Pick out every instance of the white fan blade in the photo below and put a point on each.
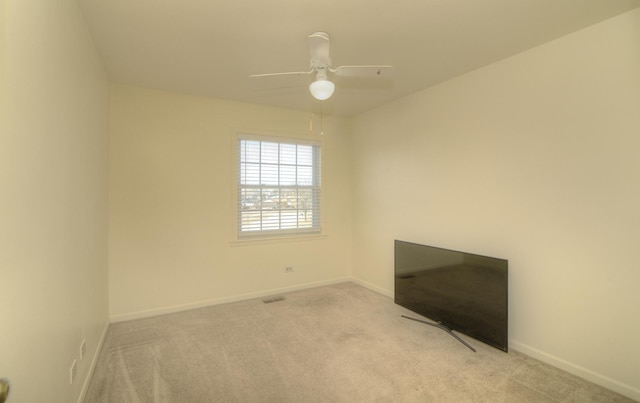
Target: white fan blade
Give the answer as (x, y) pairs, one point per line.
(364, 71)
(291, 73)
(319, 49)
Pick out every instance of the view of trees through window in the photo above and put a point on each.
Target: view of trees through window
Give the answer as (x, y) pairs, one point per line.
(279, 187)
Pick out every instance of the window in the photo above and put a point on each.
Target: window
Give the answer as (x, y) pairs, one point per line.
(278, 186)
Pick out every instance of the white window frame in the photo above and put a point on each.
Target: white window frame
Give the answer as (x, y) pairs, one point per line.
(288, 216)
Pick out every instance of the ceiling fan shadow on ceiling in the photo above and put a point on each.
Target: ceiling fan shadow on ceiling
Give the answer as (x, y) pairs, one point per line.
(322, 87)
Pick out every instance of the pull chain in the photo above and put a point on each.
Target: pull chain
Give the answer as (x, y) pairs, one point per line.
(321, 121)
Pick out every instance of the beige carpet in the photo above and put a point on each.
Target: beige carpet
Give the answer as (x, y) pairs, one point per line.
(340, 343)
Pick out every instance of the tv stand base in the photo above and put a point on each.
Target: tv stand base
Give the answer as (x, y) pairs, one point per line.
(443, 327)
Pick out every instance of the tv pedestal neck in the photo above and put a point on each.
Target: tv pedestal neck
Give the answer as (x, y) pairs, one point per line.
(443, 327)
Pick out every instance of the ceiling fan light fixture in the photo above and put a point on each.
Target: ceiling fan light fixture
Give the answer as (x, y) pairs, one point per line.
(322, 89)
(320, 65)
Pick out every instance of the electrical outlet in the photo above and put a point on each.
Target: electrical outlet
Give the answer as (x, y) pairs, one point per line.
(73, 371)
(83, 348)
(288, 269)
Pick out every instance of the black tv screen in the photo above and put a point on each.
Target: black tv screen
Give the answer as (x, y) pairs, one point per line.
(462, 291)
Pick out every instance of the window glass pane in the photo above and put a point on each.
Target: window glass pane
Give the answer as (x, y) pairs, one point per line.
(271, 220)
(250, 151)
(270, 199)
(305, 155)
(288, 198)
(269, 153)
(250, 220)
(250, 199)
(305, 219)
(269, 175)
(305, 199)
(305, 176)
(249, 174)
(287, 175)
(288, 154)
(289, 219)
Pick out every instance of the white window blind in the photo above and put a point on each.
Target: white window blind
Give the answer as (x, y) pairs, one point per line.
(278, 187)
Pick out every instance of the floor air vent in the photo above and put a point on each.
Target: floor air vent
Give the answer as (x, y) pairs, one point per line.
(273, 299)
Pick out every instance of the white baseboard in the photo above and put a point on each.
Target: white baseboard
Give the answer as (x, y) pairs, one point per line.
(94, 362)
(372, 287)
(217, 301)
(591, 376)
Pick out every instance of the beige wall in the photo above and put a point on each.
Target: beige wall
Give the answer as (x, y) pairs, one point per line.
(533, 159)
(53, 202)
(172, 205)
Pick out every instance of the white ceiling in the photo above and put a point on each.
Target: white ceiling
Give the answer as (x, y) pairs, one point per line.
(210, 47)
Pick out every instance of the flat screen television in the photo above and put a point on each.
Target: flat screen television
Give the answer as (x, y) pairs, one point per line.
(457, 290)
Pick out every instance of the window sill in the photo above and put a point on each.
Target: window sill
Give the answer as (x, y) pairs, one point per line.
(277, 239)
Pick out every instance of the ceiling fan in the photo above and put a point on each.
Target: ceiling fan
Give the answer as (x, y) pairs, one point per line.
(322, 88)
